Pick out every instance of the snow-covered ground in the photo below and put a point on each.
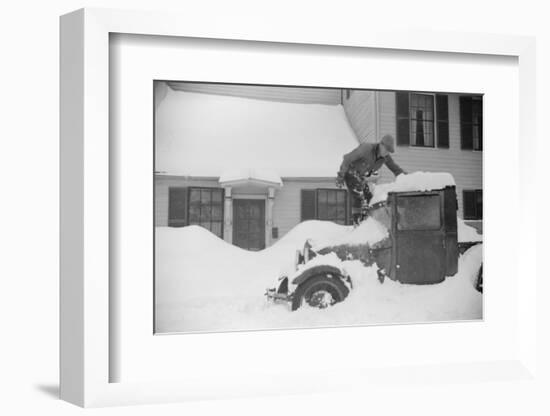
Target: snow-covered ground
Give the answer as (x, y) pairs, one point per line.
(206, 284)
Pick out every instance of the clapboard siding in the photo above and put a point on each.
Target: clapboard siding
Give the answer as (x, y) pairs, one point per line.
(361, 112)
(163, 183)
(285, 94)
(464, 165)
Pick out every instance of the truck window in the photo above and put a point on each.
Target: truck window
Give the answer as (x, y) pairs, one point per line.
(418, 212)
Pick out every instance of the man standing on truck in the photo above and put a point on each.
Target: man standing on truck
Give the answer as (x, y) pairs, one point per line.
(360, 167)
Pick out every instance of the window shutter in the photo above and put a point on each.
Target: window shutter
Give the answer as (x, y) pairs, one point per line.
(466, 133)
(469, 204)
(402, 117)
(309, 204)
(442, 109)
(177, 207)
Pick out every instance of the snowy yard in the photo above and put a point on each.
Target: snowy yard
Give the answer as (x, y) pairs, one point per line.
(206, 284)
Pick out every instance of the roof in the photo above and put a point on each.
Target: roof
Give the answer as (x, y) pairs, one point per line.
(206, 135)
(237, 176)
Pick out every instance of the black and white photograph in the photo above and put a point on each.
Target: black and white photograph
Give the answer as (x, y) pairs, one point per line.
(281, 207)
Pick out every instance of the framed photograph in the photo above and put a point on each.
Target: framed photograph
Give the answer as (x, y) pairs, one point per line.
(312, 197)
(238, 208)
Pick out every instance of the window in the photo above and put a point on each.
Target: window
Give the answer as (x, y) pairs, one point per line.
(471, 123)
(206, 209)
(422, 119)
(473, 204)
(421, 115)
(331, 205)
(325, 204)
(419, 212)
(196, 206)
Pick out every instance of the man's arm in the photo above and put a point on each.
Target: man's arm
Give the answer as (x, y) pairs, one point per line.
(394, 167)
(351, 157)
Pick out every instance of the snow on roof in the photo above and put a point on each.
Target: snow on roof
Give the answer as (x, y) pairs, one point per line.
(238, 175)
(417, 181)
(207, 135)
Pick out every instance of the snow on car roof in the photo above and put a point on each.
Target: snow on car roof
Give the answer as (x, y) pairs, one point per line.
(206, 135)
(417, 181)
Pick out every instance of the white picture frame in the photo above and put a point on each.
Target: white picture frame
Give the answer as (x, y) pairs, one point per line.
(86, 356)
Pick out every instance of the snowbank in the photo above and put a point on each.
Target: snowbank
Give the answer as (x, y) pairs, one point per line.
(206, 284)
(369, 231)
(467, 233)
(417, 181)
(206, 135)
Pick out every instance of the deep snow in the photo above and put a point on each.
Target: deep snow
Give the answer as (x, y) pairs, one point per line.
(417, 181)
(206, 284)
(196, 132)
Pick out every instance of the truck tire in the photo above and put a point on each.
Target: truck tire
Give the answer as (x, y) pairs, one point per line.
(479, 281)
(320, 291)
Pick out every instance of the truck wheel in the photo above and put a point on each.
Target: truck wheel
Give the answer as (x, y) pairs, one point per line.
(320, 291)
(479, 282)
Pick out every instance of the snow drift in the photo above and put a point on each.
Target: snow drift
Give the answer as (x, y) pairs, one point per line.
(205, 284)
(196, 132)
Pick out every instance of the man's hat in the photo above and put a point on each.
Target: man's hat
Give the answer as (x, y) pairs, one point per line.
(389, 142)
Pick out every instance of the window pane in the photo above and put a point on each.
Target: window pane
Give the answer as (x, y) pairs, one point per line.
(194, 213)
(322, 204)
(195, 195)
(206, 212)
(331, 205)
(421, 114)
(216, 212)
(217, 228)
(206, 196)
(418, 212)
(217, 195)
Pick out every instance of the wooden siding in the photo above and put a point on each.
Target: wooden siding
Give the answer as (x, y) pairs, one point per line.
(464, 165)
(361, 112)
(285, 94)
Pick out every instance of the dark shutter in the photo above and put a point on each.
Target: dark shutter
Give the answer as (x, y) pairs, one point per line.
(442, 108)
(402, 117)
(466, 136)
(309, 204)
(177, 207)
(469, 204)
(479, 204)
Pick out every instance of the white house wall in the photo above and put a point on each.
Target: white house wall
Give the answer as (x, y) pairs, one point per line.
(464, 165)
(361, 112)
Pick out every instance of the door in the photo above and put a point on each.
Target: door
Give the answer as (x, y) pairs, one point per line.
(419, 238)
(249, 224)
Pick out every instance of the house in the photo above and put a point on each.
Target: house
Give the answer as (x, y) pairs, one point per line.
(250, 162)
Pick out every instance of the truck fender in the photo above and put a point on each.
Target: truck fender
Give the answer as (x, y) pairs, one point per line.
(322, 269)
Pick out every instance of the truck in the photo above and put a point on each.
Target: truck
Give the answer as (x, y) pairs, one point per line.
(421, 247)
